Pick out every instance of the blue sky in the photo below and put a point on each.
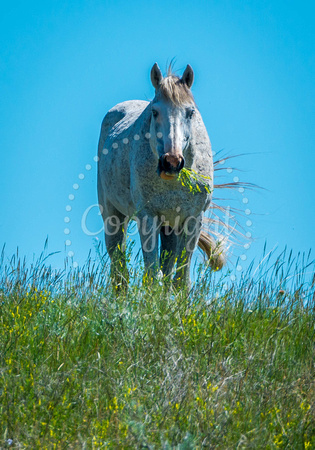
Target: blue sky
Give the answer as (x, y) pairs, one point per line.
(64, 64)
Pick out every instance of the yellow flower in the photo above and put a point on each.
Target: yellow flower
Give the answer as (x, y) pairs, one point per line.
(304, 406)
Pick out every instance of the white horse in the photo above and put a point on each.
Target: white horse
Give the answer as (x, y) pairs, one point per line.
(143, 147)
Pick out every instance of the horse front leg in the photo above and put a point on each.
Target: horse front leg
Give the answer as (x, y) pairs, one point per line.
(187, 242)
(115, 226)
(149, 228)
(169, 241)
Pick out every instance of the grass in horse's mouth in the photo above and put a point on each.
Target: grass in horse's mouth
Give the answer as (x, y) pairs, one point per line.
(194, 181)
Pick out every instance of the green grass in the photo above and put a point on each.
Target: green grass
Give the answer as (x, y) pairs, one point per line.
(225, 367)
(193, 180)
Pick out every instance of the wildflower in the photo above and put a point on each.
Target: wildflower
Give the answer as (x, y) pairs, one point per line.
(191, 179)
(304, 406)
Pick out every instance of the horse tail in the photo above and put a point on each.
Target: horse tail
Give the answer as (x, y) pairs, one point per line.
(213, 249)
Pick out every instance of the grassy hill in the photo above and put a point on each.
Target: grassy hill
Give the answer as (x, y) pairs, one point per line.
(228, 365)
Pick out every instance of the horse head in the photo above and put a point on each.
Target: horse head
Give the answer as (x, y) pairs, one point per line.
(172, 112)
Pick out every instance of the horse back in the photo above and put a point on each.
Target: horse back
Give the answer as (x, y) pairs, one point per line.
(117, 135)
(116, 115)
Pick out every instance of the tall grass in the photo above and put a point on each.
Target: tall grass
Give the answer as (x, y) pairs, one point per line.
(228, 365)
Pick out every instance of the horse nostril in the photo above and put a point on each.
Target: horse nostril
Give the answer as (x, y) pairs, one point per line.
(181, 164)
(164, 164)
(171, 163)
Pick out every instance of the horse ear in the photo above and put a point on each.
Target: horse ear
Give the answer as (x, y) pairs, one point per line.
(188, 76)
(156, 76)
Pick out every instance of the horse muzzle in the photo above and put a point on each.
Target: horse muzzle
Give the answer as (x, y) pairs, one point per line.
(170, 165)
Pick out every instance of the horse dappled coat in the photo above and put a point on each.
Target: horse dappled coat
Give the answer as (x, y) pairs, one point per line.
(143, 146)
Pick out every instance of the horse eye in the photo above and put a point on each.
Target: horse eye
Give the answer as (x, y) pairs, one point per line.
(154, 113)
(189, 113)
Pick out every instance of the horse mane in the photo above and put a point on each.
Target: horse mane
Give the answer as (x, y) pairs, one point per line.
(172, 88)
